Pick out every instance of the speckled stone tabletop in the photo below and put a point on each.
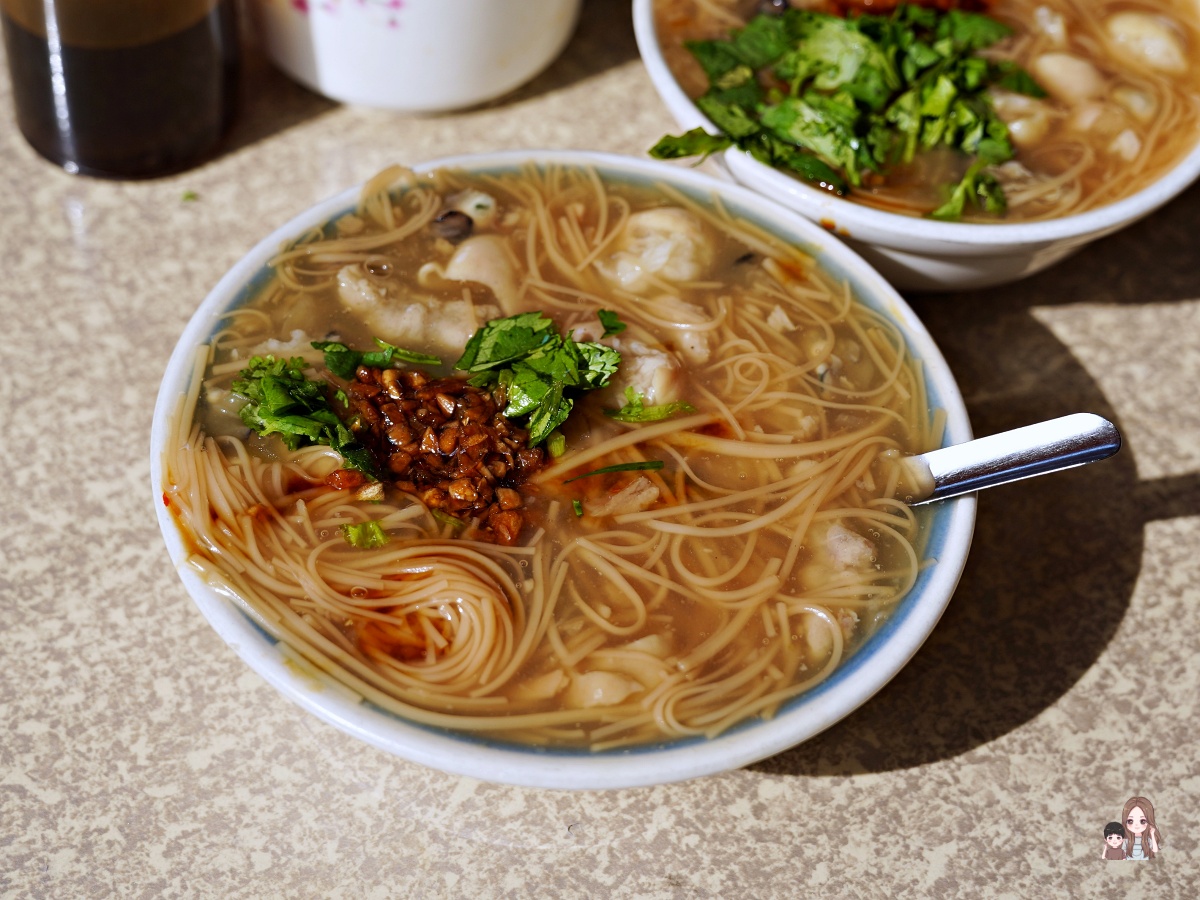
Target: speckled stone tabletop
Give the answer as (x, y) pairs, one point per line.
(140, 758)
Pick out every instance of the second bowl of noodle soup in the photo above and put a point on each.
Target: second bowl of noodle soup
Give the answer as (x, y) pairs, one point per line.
(708, 560)
(1116, 135)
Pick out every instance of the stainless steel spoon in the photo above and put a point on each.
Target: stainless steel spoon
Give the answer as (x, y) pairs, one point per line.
(1051, 446)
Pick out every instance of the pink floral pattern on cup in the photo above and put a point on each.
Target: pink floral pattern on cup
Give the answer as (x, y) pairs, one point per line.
(384, 11)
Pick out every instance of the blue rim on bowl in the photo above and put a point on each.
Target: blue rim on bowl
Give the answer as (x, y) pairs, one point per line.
(881, 656)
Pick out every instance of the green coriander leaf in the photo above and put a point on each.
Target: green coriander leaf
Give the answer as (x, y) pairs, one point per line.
(501, 341)
(189, 196)
(1008, 75)
(716, 58)
(550, 413)
(734, 78)
(446, 519)
(918, 56)
(556, 360)
(761, 41)
(923, 17)
(952, 209)
(600, 363)
(525, 391)
(731, 118)
(769, 149)
(972, 74)
(394, 353)
(994, 151)
(971, 31)
(905, 115)
(578, 507)
(836, 55)
(365, 535)
(824, 125)
(534, 368)
(611, 321)
(339, 359)
(635, 409)
(937, 96)
(990, 194)
(282, 400)
(650, 413)
(979, 188)
(342, 360)
(696, 142)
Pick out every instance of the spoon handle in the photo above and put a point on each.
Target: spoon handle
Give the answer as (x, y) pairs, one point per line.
(1012, 455)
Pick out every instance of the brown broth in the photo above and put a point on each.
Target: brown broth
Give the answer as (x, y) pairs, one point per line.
(833, 369)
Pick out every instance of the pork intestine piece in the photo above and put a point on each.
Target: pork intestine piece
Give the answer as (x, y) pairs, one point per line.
(667, 243)
(835, 551)
(653, 372)
(694, 345)
(593, 689)
(414, 321)
(484, 259)
(639, 494)
(1068, 78)
(1147, 40)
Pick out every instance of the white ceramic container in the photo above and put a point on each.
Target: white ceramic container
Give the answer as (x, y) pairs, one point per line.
(914, 253)
(414, 55)
(949, 528)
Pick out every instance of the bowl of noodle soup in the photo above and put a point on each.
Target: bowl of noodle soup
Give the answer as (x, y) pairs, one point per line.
(1115, 139)
(683, 592)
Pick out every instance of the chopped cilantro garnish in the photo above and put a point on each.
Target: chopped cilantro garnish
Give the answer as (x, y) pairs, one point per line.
(342, 361)
(446, 519)
(282, 400)
(696, 142)
(648, 465)
(578, 507)
(852, 96)
(611, 321)
(502, 341)
(1013, 78)
(978, 187)
(537, 368)
(365, 535)
(189, 196)
(636, 410)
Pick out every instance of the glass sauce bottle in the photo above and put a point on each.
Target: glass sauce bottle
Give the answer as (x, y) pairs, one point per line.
(122, 88)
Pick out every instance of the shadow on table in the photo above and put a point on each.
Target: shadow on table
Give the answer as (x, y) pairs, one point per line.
(1054, 560)
(269, 102)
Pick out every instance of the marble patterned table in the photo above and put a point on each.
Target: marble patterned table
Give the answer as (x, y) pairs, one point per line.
(139, 757)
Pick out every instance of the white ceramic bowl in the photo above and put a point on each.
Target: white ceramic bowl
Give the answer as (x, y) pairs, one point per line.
(915, 253)
(949, 529)
(414, 55)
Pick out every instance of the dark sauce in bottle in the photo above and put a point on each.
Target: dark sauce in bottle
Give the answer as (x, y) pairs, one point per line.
(126, 111)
